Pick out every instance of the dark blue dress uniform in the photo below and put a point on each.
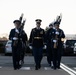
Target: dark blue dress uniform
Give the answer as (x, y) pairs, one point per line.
(49, 39)
(58, 50)
(18, 49)
(37, 40)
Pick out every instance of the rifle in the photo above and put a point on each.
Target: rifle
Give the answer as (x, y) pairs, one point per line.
(58, 19)
(22, 52)
(21, 28)
(22, 25)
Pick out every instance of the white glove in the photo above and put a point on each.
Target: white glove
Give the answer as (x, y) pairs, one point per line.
(57, 33)
(54, 41)
(44, 47)
(16, 30)
(15, 38)
(30, 47)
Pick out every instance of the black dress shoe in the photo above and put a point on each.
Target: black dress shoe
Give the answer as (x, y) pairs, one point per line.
(39, 66)
(19, 67)
(36, 68)
(54, 68)
(58, 67)
(15, 68)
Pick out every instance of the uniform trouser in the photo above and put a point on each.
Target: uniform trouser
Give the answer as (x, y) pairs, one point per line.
(16, 57)
(22, 54)
(37, 52)
(49, 54)
(56, 57)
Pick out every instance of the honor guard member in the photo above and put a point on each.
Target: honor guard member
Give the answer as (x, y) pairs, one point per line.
(58, 45)
(37, 40)
(19, 39)
(49, 39)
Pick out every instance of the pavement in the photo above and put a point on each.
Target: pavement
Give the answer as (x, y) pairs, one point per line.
(6, 67)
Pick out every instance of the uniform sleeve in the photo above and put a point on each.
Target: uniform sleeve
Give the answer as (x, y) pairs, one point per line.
(46, 35)
(62, 34)
(24, 37)
(10, 35)
(31, 36)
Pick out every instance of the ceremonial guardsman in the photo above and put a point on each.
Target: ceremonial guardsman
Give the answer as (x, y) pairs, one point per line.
(49, 39)
(37, 39)
(58, 45)
(19, 39)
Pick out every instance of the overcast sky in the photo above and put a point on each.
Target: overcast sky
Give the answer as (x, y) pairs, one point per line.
(47, 10)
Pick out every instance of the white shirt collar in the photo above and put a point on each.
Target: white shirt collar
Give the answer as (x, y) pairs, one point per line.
(37, 27)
